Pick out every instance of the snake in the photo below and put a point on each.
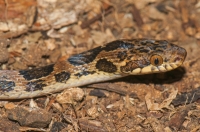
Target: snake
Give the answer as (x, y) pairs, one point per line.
(110, 61)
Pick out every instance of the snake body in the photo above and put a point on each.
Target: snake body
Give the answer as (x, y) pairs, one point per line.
(113, 60)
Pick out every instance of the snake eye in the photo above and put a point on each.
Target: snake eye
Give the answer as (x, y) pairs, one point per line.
(156, 60)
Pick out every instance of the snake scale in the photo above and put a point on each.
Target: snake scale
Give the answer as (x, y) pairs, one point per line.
(113, 60)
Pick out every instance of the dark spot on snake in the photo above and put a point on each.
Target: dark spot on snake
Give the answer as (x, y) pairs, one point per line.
(84, 73)
(159, 50)
(85, 57)
(122, 55)
(106, 66)
(144, 50)
(157, 47)
(166, 60)
(118, 44)
(62, 77)
(163, 42)
(35, 85)
(7, 86)
(129, 67)
(143, 43)
(37, 72)
(88, 56)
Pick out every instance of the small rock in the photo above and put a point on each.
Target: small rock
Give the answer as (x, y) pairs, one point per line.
(8, 126)
(70, 96)
(37, 118)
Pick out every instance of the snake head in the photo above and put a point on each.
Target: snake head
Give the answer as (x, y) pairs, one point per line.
(153, 56)
(165, 57)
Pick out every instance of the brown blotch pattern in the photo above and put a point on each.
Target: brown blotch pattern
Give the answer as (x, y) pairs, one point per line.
(37, 73)
(129, 67)
(88, 56)
(85, 57)
(7, 86)
(106, 66)
(35, 85)
(62, 76)
(84, 73)
(118, 44)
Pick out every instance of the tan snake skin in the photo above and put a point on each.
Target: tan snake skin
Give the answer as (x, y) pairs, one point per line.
(113, 60)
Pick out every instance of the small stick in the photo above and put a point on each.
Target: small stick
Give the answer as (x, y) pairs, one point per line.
(94, 19)
(136, 15)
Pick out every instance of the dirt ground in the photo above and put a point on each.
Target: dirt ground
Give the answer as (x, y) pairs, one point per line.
(37, 33)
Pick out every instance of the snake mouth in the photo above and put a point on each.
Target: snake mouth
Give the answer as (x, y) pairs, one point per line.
(155, 69)
(164, 67)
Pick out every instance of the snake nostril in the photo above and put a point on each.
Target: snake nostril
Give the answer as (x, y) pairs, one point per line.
(177, 59)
